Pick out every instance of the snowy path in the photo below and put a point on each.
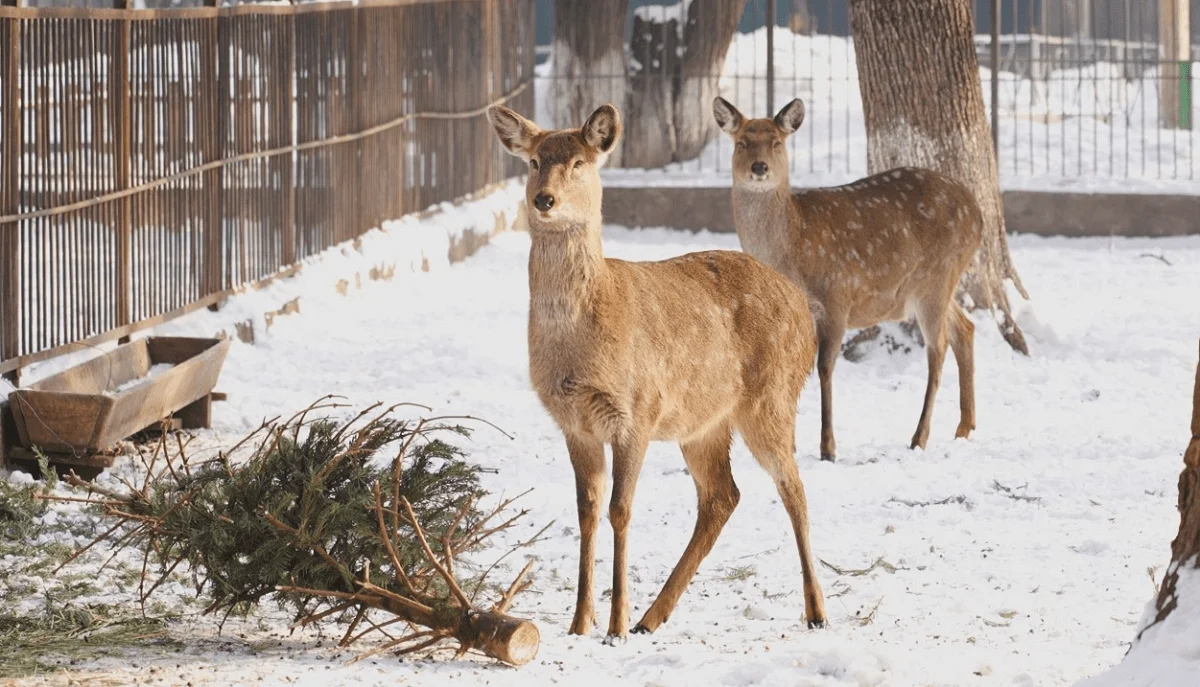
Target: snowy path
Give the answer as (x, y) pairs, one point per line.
(988, 590)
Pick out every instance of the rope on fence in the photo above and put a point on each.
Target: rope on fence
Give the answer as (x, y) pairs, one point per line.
(273, 152)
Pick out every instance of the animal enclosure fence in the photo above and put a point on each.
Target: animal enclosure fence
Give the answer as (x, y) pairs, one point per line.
(152, 161)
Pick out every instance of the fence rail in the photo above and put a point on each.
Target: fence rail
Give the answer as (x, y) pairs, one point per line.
(151, 161)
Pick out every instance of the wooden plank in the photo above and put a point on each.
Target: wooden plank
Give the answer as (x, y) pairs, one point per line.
(196, 415)
(176, 349)
(8, 431)
(58, 421)
(102, 373)
(90, 460)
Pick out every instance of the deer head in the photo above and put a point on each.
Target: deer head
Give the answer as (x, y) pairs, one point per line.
(760, 160)
(563, 189)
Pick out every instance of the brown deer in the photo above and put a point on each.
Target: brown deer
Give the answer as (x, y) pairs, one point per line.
(688, 349)
(883, 248)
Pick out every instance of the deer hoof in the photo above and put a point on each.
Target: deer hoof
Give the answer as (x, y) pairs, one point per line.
(641, 629)
(963, 432)
(819, 624)
(828, 456)
(918, 442)
(615, 640)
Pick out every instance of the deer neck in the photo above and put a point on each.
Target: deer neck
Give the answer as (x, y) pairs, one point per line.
(766, 221)
(566, 268)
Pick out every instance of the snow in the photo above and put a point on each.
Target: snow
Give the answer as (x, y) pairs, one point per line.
(1168, 653)
(1042, 584)
(154, 371)
(1081, 129)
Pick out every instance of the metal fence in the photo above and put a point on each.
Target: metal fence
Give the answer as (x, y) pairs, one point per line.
(154, 160)
(1086, 89)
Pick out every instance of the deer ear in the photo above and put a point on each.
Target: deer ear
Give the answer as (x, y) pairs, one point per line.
(727, 116)
(602, 130)
(791, 116)
(514, 131)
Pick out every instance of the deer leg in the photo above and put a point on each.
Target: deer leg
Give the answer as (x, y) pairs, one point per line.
(716, 495)
(587, 458)
(962, 342)
(933, 328)
(773, 447)
(628, 455)
(829, 347)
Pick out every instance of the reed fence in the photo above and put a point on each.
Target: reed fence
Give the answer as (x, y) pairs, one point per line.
(153, 161)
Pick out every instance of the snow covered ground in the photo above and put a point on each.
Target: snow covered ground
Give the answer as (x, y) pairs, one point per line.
(1028, 566)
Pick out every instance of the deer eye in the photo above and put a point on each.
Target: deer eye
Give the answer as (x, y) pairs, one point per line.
(778, 144)
(578, 164)
(740, 145)
(533, 165)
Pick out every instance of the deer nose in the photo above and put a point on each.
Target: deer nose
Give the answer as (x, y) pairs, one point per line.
(543, 201)
(759, 168)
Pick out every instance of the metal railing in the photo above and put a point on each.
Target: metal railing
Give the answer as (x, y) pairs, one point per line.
(155, 160)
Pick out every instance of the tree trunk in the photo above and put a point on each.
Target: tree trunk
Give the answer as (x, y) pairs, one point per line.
(589, 60)
(923, 105)
(678, 52)
(1185, 550)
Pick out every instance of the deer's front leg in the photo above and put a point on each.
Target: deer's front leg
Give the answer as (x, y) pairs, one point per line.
(627, 463)
(587, 458)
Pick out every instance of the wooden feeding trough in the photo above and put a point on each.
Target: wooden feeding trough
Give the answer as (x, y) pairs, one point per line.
(78, 416)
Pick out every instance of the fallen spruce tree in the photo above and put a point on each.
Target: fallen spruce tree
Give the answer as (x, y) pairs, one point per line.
(317, 515)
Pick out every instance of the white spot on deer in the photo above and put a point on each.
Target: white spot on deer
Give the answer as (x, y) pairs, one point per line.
(896, 174)
(925, 211)
(853, 225)
(872, 181)
(919, 175)
(909, 187)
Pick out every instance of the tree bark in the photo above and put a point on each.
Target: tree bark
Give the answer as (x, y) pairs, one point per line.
(589, 67)
(1185, 550)
(674, 76)
(923, 105)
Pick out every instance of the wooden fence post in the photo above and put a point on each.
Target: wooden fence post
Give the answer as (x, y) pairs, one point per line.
(10, 201)
(121, 174)
(216, 72)
(289, 165)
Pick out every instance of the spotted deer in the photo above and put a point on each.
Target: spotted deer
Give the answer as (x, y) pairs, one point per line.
(689, 349)
(883, 248)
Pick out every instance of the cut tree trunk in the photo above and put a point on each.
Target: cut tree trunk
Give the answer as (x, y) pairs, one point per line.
(589, 67)
(678, 52)
(923, 105)
(1185, 550)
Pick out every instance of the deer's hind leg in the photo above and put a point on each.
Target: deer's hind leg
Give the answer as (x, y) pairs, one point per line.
(770, 434)
(961, 332)
(707, 459)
